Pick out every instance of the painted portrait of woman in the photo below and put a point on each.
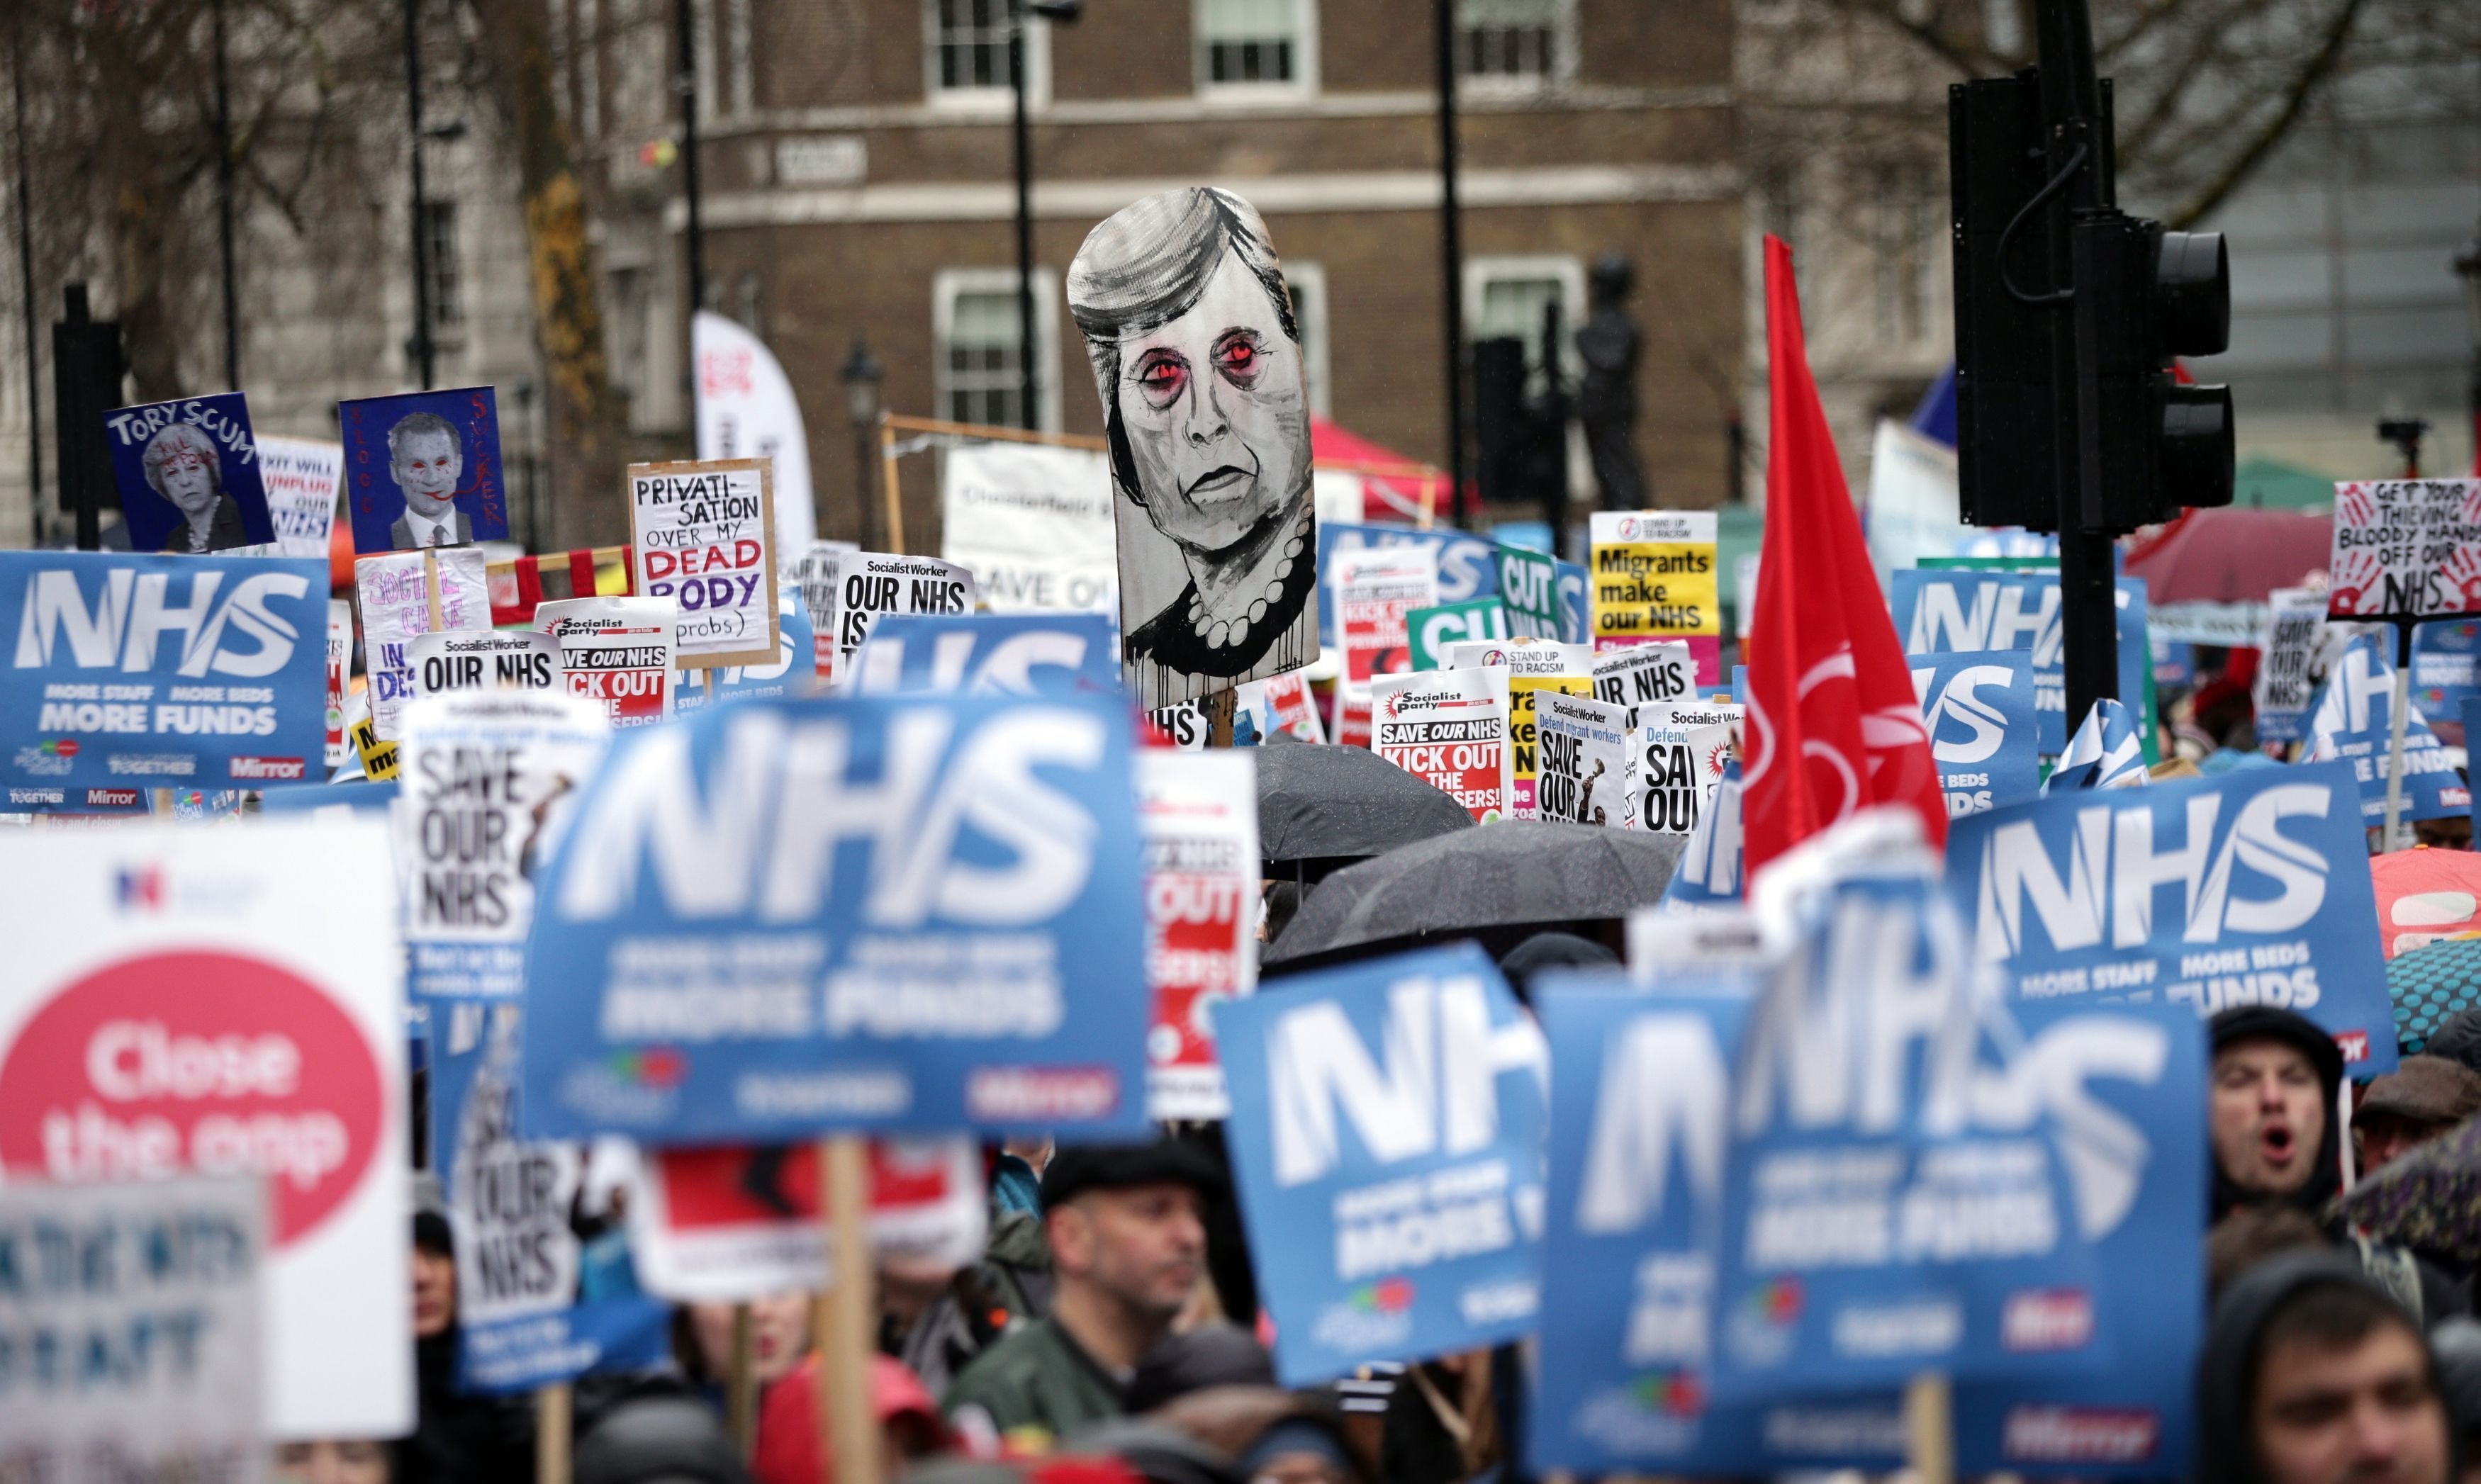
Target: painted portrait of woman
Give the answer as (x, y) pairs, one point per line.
(1197, 358)
(183, 465)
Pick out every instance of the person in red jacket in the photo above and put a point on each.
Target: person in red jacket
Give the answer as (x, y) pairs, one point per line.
(787, 1451)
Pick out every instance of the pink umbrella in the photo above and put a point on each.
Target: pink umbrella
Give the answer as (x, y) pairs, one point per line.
(2231, 555)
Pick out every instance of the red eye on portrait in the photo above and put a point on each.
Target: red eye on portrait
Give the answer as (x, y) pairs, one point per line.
(1239, 358)
(1161, 379)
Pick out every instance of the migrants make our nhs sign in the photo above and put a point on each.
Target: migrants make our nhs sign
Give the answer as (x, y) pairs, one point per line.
(2251, 887)
(784, 916)
(1940, 611)
(1386, 1130)
(132, 672)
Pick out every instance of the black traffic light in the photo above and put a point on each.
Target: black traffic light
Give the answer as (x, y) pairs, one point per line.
(87, 364)
(2144, 295)
(2067, 321)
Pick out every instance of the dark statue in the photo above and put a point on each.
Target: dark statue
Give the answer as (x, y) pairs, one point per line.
(1607, 396)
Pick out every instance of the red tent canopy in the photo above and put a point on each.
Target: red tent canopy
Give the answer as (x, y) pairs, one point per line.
(1390, 498)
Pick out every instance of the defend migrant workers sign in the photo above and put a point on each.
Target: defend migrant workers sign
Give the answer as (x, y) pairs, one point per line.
(787, 916)
(1386, 1132)
(136, 672)
(2205, 892)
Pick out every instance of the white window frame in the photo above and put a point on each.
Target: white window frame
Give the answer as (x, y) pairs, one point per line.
(1001, 99)
(1304, 82)
(1570, 273)
(950, 282)
(1308, 282)
(1563, 60)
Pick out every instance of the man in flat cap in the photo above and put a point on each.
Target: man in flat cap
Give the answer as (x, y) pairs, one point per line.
(2422, 1099)
(1126, 1223)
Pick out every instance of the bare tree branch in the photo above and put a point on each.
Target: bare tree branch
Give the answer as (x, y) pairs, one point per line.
(2295, 100)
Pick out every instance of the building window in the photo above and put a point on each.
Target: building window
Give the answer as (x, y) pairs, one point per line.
(1902, 233)
(1505, 296)
(966, 45)
(1307, 283)
(975, 321)
(1513, 42)
(1256, 45)
(440, 254)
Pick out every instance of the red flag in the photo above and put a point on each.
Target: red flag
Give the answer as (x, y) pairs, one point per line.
(1834, 725)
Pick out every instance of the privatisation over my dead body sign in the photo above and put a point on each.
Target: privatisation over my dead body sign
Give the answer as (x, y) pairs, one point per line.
(705, 535)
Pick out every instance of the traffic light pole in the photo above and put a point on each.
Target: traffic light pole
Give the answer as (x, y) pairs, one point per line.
(2078, 142)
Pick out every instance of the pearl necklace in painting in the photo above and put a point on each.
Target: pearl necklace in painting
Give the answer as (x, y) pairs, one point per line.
(1221, 633)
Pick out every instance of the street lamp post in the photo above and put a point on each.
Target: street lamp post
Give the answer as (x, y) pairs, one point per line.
(1028, 379)
(861, 376)
(2468, 267)
(423, 362)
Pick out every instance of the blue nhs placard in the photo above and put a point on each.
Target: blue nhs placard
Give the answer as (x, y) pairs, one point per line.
(787, 916)
(1980, 711)
(1640, 1094)
(133, 672)
(1939, 612)
(995, 653)
(1386, 1135)
(1468, 564)
(2251, 887)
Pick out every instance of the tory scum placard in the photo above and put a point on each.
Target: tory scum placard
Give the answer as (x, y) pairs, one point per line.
(787, 916)
(132, 672)
(705, 535)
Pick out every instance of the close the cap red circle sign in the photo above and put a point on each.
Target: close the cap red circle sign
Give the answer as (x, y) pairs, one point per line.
(195, 1060)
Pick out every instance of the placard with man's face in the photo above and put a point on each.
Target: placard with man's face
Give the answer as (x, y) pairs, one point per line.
(422, 469)
(188, 475)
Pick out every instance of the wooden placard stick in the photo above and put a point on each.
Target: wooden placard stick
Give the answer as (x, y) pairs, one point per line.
(553, 1421)
(850, 1447)
(740, 1385)
(430, 585)
(891, 493)
(1929, 1428)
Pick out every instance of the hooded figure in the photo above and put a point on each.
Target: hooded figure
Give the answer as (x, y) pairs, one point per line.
(2348, 1386)
(2266, 1118)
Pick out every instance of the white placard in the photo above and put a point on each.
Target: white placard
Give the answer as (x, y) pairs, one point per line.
(869, 583)
(269, 948)
(1035, 525)
(618, 652)
(395, 607)
(1197, 821)
(302, 476)
(705, 539)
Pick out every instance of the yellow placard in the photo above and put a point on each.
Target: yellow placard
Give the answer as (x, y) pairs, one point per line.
(1653, 576)
(378, 758)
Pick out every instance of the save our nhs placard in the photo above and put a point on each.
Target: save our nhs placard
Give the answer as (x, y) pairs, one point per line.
(1001, 654)
(1881, 1216)
(2121, 1084)
(1980, 712)
(132, 672)
(1386, 1135)
(2352, 719)
(1941, 612)
(792, 915)
(1639, 1098)
(519, 1322)
(2251, 887)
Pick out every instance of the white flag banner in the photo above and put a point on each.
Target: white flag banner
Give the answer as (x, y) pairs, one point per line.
(1034, 524)
(746, 410)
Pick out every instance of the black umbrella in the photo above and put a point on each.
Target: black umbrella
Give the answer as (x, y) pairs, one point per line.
(1321, 805)
(1513, 874)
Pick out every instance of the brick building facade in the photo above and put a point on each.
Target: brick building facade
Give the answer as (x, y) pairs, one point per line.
(858, 180)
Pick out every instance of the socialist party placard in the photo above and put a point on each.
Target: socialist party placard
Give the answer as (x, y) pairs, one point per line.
(616, 652)
(1197, 815)
(132, 672)
(1980, 711)
(1386, 1136)
(1971, 613)
(1449, 729)
(2251, 887)
(791, 915)
(705, 535)
(2405, 549)
(485, 779)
